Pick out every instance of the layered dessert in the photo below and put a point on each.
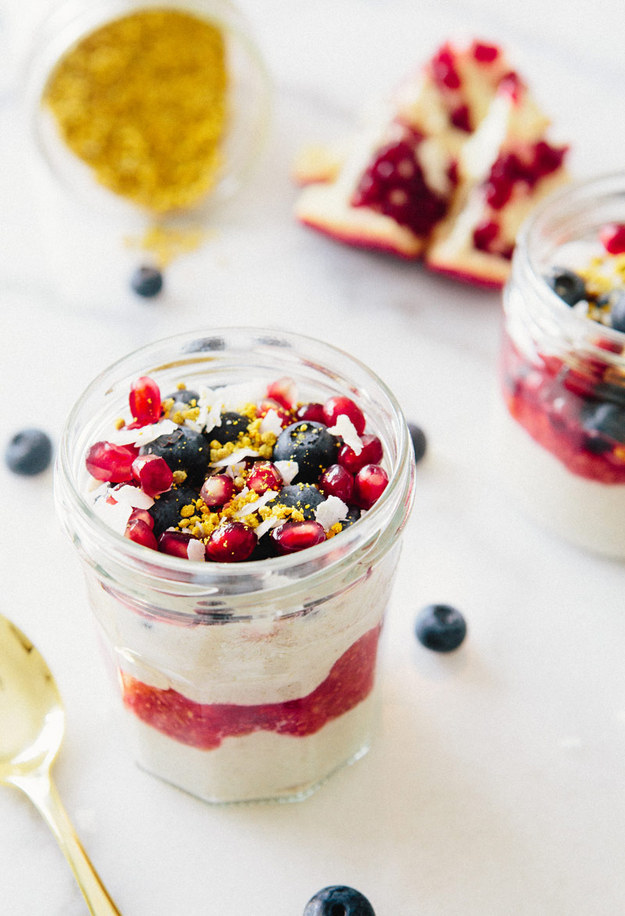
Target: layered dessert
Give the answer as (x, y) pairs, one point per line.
(447, 169)
(252, 695)
(564, 389)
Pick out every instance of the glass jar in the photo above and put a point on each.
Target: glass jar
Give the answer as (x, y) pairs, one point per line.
(562, 442)
(251, 680)
(247, 98)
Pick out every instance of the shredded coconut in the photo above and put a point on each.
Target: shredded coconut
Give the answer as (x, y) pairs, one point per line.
(196, 549)
(234, 458)
(145, 434)
(287, 470)
(262, 500)
(271, 423)
(347, 431)
(330, 511)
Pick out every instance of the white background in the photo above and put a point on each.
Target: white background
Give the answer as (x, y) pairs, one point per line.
(497, 783)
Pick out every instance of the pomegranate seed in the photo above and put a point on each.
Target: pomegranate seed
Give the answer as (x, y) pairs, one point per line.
(140, 532)
(336, 481)
(547, 159)
(175, 543)
(461, 118)
(512, 84)
(284, 392)
(293, 536)
(334, 407)
(285, 415)
(145, 401)
(231, 543)
(153, 474)
(484, 53)
(312, 412)
(485, 234)
(142, 515)
(444, 70)
(371, 453)
(217, 490)
(107, 461)
(612, 238)
(264, 476)
(369, 484)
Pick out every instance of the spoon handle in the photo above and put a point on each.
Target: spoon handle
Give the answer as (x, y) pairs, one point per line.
(42, 792)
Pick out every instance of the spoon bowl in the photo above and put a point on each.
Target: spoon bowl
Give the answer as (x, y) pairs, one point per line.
(32, 722)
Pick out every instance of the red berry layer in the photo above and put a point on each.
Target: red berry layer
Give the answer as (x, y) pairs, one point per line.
(204, 726)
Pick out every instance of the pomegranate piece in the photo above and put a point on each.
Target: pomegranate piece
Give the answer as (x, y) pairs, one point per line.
(263, 476)
(612, 237)
(110, 462)
(175, 543)
(153, 474)
(443, 69)
(145, 401)
(284, 391)
(231, 543)
(334, 407)
(371, 453)
(484, 235)
(142, 515)
(485, 53)
(217, 490)
(140, 532)
(312, 411)
(369, 484)
(294, 536)
(337, 481)
(285, 415)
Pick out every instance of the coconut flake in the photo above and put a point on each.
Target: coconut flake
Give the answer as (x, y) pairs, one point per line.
(271, 423)
(331, 511)
(144, 434)
(133, 497)
(115, 515)
(347, 431)
(267, 525)
(262, 500)
(287, 470)
(196, 550)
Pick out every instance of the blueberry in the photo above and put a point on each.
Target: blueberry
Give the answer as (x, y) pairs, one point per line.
(338, 900)
(566, 284)
(603, 420)
(617, 311)
(419, 442)
(29, 452)
(147, 282)
(183, 398)
(310, 444)
(232, 426)
(166, 508)
(440, 627)
(184, 450)
(352, 516)
(302, 496)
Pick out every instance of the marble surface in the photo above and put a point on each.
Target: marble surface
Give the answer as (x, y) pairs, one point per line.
(496, 783)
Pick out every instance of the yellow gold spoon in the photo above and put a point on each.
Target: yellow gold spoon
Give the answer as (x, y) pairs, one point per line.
(32, 721)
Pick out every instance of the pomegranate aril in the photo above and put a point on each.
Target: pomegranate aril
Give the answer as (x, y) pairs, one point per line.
(612, 237)
(142, 515)
(217, 490)
(461, 118)
(294, 536)
(334, 407)
(283, 391)
(231, 543)
(110, 462)
(264, 476)
(485, 53)
(444, 69)
(337, 481)
(286, 417)
(141, 533)
(371, 453)
(153, 474)
(312, 412)
(484, 235)
(175, 543)
(145, 401)
(369, 484)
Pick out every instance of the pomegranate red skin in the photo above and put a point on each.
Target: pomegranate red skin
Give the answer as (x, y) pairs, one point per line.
(312, 412)
(294, 536)
(140, 532)
(153, 474)
(334, 407)
(612, 238)
(110, 462)
(142, 515)
(263, 476)
(175, 543)
(145, 401)
(369, 484)
(283, 391)
(217, 490)
(371, 453)
(286, 417)
(337, 481)
(231, 543)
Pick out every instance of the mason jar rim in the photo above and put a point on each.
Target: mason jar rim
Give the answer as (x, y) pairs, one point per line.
(369, 532)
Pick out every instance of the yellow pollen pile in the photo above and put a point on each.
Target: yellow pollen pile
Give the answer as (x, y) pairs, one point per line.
(142, 101)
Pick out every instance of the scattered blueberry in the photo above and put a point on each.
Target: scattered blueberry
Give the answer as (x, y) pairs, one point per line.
(302, 496)
(338, 900)
(419, 442)
(566, 284)
(440, 627)
(29, 452)
(147, 282)
(166, 508)
(232, 425)
(308, 443)
(184, 450)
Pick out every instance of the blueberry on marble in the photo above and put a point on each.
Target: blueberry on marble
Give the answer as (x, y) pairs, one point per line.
(440, 627)
(302, 496)
(184, 449)
(419, 441)
(166, 508)
(232, 426)
(147, 282)
(29, 452)
(566, 284)
(338, 900)
(310, 445)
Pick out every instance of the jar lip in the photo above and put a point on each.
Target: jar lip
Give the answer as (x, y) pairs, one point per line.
(173, 569)
(526, 254)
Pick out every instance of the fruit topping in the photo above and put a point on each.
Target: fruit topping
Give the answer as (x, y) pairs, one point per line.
(310, 445)
(369, 484)
(612, 238)
(28, 452)
(566, 284)
(338, 900)
(140, 532)
(293, 536)
(166, 509)
(231, 543)
(336, 407)
(110, 462)
(300, 496)
(337, 481)
(153, 474)
(147, 282)
(231, 426)
(184, 450)
(263, 476)
(440, 627)
(217, 490)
